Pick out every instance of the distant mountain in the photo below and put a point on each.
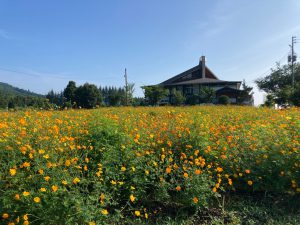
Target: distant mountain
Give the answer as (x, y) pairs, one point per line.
(9, 90)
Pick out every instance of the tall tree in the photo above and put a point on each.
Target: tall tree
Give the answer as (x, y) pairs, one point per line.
(246, 94)
(88, 96)
(279, 84)
(154, 94)
(69, 91)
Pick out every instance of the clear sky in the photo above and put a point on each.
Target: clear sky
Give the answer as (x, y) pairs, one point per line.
(44, 44)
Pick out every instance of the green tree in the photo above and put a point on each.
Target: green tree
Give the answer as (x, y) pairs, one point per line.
(88, 96)
(154, 94)
(69, 91)
(177, 97)
(246, 95)
(206, 94)
(279, 84)
(224, 100)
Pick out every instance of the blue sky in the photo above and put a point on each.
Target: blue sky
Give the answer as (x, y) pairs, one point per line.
(44, 44)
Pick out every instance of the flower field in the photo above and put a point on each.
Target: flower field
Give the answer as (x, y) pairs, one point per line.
(101, 166)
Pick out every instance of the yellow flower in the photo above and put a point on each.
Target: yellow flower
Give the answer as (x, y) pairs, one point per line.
(186, 175)
(43, 189)
(146, 215)
(26, 223)
(132, 198)
(5, 215)
(26, 193)
(41, 171)
(54, 188)
(123, 168)
(137, 213)
(37, 200)
(12, 172)
(219, 169)
(64, 182)
(47, 178)
(113, 182)
(76, 180)
(92, 223)
(11, 223)
(250, 182)
(104, 211)
(147, 172)
(25, 217)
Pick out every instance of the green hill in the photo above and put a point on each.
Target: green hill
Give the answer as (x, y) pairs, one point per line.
(9, 90)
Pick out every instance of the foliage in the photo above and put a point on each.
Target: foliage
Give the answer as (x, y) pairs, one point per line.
(177, 97)
(279, 84)
(224, 100)
(154, 94)
(70, 91)
(207, 94)
(88, 96)
(246, 95)
(131, 165)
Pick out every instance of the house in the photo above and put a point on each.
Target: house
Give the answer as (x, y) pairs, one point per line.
(191, 81)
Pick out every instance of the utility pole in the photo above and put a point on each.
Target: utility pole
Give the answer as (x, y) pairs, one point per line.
(126, 88)
(292, 58)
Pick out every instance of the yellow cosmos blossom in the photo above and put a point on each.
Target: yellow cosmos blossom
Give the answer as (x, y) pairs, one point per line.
(104, 211)
(76, 180)
(186, 175)
(137, 213)
(12, 172)
(64, 182)
(26, 193)
(54, 188)
(113, 182)
(132, 198)
(43, 189)
(37, 200)
(92, 223)
(123, 168)
(249, 182)
(25, 217)
(26, 222)
(46, 178)
(5, 215)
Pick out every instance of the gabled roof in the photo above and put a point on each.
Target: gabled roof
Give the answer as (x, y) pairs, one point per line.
(191, 74)
(194, 76)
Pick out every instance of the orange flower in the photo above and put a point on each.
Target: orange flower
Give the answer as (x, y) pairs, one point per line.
(178, 188)
(168, 170)
(197, 172)
(12, 172)
(54, 188)
(195, 200)
(247, 171)
(186, 175)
